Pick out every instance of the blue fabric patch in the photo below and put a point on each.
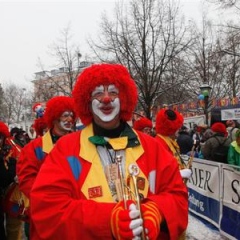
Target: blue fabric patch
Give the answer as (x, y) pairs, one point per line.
(15, 208)
(39, 153)
(75, 166)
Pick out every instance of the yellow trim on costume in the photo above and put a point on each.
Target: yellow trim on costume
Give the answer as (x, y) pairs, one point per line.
(96, 176)
(47, 144)
(174, 147)
(118, 143)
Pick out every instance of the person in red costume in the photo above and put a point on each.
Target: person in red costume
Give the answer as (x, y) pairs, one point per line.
(143, 124)
(78, 192)
(168, 122)
(59, 117)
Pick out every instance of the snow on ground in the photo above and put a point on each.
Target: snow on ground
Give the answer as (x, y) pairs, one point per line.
(198, 230)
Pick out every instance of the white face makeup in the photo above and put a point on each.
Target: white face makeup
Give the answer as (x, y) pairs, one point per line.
(66, 120)
(105, 102)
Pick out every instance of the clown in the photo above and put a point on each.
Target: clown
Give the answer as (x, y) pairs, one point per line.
(59, 119)
(143, 124)
(168, 122)
(78, 191)
(38, 109)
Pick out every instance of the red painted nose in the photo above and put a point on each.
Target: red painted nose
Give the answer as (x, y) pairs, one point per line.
(106, 100)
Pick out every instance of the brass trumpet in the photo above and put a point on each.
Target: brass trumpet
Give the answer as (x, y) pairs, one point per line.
(125, 187)
(189, 163)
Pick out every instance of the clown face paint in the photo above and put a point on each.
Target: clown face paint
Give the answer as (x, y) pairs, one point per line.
(105, 102)
(66, 121)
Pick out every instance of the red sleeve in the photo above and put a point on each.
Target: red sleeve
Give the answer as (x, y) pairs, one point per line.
(28, 165)
(170, 191)
(58, 209)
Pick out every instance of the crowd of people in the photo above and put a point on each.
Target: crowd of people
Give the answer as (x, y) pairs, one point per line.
(109, 179)
(219, 143)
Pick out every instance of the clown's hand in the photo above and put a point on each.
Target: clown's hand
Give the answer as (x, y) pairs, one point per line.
(186, 173)
(125, 223)
(152, 219)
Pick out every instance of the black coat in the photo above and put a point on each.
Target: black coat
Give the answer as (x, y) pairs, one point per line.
(7, 175)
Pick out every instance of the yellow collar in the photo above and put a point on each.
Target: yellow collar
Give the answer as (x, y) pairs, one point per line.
(47, 142)
(96, 177)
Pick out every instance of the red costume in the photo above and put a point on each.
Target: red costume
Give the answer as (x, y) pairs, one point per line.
(167, 124)
(31, 159)
(59, 206)
(72, 198)
(35, 152)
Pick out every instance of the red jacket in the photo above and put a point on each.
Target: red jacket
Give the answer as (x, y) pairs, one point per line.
(30, 161)
(63, 201)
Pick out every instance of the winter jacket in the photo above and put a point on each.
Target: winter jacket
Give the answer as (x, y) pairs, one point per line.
(212, 143)
(234, 154)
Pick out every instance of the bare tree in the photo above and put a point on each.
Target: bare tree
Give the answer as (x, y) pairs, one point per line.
(59, 81)
(229, 47)
(227, 3)
(13, 100)
(231, 50)
(147, 37)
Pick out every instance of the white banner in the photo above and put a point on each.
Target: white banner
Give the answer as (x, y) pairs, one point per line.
(214, 195)
(230, 220)
(228, 114)
(190, 121)
(204, 190)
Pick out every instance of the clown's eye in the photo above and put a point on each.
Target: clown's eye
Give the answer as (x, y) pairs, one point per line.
(98, 91)
(97, 94)
(112, 90)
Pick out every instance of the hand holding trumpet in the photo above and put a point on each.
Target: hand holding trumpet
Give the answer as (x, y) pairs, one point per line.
(127, 224)
(132, 218)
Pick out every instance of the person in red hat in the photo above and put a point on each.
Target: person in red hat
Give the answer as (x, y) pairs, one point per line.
(219, 138)
(168, 122)
(10, 226)
(143, 124)
(59, 117)
(79, 191)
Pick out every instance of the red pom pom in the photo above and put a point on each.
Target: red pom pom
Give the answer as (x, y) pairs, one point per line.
(168, 122)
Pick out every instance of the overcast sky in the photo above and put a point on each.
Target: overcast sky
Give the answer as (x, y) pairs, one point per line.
(28, 28)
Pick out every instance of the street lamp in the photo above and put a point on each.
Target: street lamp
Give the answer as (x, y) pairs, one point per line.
(205, 91)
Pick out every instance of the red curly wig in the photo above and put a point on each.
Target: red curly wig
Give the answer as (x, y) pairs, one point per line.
(168, 122)
(142, 123)
(39, 125)
(55, 107)
(4, 129)
(104, 74)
